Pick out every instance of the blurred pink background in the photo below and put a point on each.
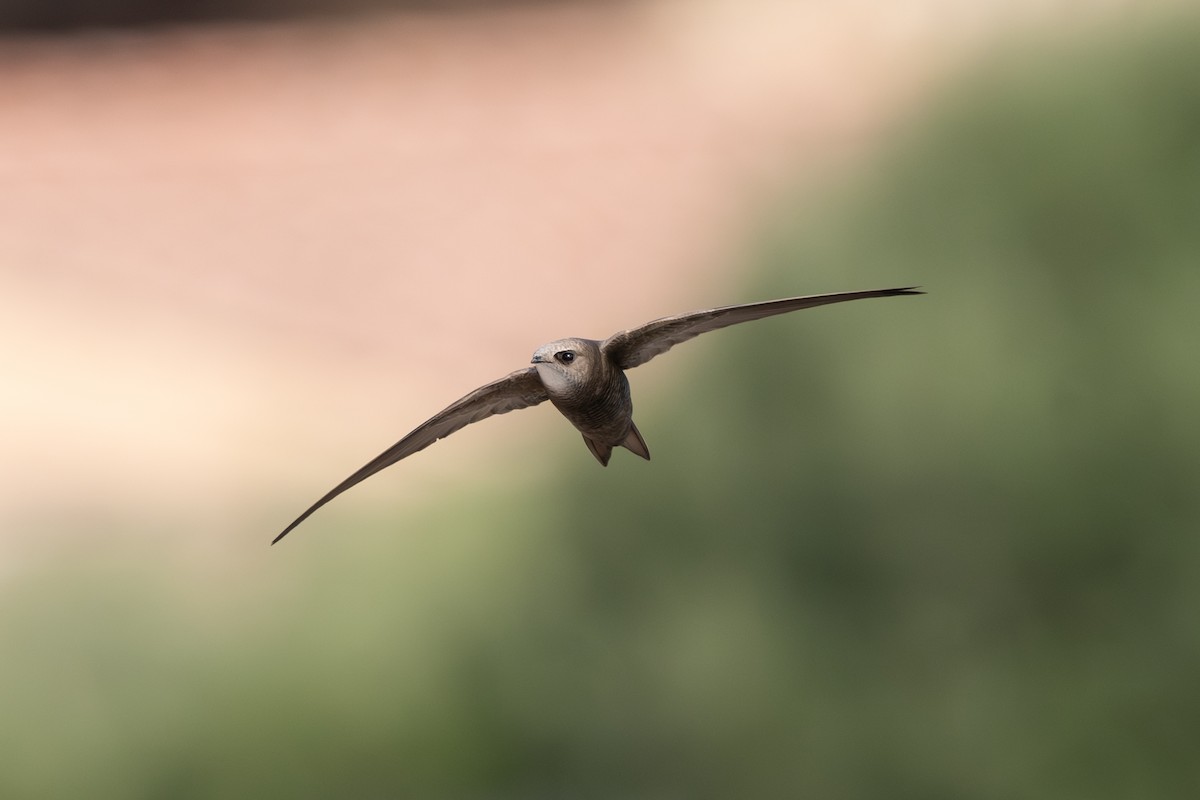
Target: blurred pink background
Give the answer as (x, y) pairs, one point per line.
(238, 260)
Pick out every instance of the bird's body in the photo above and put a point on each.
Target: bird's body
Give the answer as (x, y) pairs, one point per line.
(585, 380)
(592, 393)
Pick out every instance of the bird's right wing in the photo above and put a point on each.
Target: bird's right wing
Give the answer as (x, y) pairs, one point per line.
(517, 390)
(636, 346)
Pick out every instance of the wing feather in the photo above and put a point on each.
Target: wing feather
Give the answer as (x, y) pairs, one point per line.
(520, 389)
(636, 346)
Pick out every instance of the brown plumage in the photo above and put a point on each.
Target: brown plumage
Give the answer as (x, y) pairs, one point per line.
(585, 380)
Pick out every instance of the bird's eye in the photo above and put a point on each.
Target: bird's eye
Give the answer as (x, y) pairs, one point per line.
(566, 356)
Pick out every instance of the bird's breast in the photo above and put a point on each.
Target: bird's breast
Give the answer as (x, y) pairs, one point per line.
(602, 410)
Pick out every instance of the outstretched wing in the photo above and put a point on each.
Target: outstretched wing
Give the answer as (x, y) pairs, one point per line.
(636, 346)
(519, 389)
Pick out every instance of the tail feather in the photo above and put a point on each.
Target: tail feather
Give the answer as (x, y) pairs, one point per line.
(636, 443)
(633, 442)
(602, 452)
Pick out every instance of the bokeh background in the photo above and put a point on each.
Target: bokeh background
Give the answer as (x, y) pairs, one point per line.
(934, 547)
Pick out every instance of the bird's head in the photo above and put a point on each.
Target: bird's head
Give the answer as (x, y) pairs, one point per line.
(567, 364)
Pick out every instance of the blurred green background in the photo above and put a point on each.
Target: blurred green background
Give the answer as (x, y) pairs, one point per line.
(934, 547)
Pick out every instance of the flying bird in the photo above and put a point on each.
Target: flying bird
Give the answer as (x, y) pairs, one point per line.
(585, 380)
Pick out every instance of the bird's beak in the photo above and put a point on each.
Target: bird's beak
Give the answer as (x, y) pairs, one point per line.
(537, 359)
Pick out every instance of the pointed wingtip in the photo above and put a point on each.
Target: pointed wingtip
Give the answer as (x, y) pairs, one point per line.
(286, 531)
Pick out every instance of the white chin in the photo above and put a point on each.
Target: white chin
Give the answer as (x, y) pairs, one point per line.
(554, 381)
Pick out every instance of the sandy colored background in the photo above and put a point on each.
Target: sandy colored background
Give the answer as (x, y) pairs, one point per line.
(240, 260)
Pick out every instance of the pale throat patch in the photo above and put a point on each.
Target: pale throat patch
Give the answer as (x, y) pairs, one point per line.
(554, 381)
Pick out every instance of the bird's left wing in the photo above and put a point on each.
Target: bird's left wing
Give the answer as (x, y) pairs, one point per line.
(636, 346)
(519, 389)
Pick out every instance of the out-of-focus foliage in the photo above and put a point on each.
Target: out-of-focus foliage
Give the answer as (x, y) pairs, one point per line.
(925, 547)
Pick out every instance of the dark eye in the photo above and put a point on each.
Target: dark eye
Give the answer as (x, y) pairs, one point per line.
(566, 356)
